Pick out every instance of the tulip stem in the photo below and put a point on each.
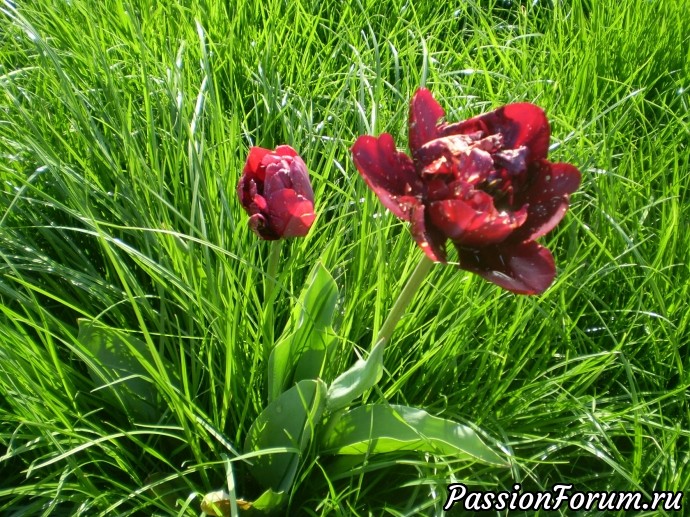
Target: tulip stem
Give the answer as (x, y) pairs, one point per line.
(404, 299)
(269, 294)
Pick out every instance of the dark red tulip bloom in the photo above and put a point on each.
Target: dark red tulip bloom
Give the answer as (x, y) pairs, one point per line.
(484, 184)
(276, 193)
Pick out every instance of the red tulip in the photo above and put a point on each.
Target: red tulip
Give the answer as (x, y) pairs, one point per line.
(484, 184)
(276, 193)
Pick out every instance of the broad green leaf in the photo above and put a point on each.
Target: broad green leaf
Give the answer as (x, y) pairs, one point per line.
(314, 353)
(364, 374)
(317, 300)
(279, 365)
(268, 501)
(117, 368)
(289, 421)
(302, 349)
(379, 428)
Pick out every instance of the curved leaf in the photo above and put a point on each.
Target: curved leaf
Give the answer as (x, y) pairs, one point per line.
(355, 381)
(301, 351)
(268, 501)
(289, 422)
(378, 428)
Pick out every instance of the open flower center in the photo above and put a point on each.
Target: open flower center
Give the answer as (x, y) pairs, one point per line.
(456, 166)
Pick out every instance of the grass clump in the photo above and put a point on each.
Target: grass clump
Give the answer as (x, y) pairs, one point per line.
(124, 128)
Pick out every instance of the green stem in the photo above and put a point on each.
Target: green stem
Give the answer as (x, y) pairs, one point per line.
(269, 295)
(408, 292)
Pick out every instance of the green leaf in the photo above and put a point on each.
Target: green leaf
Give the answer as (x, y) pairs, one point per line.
(314, 352)
(318, 298)
(269, 500)
(288, 422)
(378, 428)
(363, 375)
(301, 353)
(118, 369)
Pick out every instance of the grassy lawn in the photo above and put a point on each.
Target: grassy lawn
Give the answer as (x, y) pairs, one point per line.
(124, 127)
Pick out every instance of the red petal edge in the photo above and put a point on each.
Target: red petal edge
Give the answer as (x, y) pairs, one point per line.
(552, 180)
(285, 150)
(526, 268)
(531, 128)
(425, 113)
(256, 154)
(290, 215)
(548, 198)
(389, 173)
(432, 242)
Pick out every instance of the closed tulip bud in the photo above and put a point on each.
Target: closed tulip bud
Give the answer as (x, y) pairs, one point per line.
(276, 193)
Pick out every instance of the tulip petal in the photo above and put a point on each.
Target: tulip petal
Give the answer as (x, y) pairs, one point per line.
(475, 222)
(520, 124)
(527, 126)
(286, 150)
(425, 113)
(290, 215)
(258, 204)
(389, 173)
(525, 268)
(430, 239)
(277, 176)
(552, 180)
(457, 155)
(300, 178)
(252, 167)
(548, 197)
(541, 219)
(257, 223)
(246, 189)
(287, 173)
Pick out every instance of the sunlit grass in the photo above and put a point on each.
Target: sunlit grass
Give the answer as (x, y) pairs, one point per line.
(123, 129)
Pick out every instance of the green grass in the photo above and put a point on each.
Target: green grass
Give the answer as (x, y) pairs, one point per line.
(124, 126)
